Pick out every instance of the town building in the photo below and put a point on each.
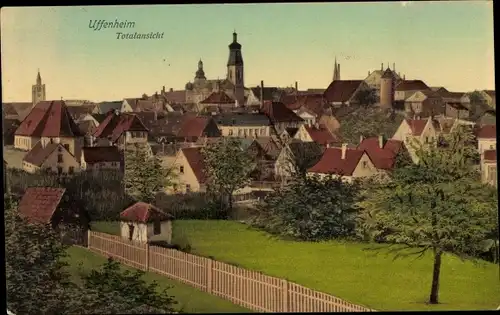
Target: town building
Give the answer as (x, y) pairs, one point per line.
(120, 129)
(343, 92)
(243, 125)
(414, 133)
(316, 133)
(296, 154)
(486, 138)
(489, 167)
(425, 103)
(374, 78)
(51, 158)
(96, 159)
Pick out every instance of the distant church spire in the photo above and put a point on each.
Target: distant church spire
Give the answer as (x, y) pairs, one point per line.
(200, 73)
(336, 70)
(38, 90)
(39, 78)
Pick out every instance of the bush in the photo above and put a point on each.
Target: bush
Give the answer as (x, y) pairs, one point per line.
(193, 206)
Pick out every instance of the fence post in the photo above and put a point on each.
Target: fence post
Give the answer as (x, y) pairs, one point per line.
(88, 238)
(147, 257)
(209, 275)
(284, 294)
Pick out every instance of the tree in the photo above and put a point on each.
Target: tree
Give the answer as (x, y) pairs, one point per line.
(368, 122)
(110, 290)
(366, 97)
(302, 156)
(437, 205)
(145, 175)
(310, 208)
(36, 280)
(228, 169)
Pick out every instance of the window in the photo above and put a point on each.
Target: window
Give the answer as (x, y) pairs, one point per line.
(181, 169)
(188, 188)
(365, 164)
(426, 139)
(240, 132)
(230, 132)
(71, 169)
(66, 146)
(59, 170)
(157, 227)
(59, 158)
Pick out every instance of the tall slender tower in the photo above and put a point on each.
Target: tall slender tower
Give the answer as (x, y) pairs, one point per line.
(336, 71)
(235, 70)
(387, 89)
(38, 90)
(200, 73)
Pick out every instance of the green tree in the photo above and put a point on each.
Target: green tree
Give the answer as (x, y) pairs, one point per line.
(110, 290)
(310, 209)
(368, 122)
(366, 97)
(227, 168)
(437, 205)
(302, 156)
(36, 280)
(145, 175)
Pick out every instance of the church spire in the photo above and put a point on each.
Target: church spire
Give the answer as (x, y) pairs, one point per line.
(200, 73)
(336, 70)
(38, 78)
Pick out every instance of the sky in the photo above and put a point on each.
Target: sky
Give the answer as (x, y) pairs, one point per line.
(446, 44)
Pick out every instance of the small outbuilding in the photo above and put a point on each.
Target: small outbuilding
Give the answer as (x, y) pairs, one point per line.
(143, 222)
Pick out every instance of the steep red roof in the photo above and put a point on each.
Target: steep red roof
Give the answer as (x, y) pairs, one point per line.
(321, 135)
(278, 112)
(412, 85)
(49, 119)
(490, 155)
(218, 98)
(143, 212)
(382, 158)
(101, 154)
(487, 132)
(116, 124)
(38, 204)
(332, 163)
(341, 90)
(196, 161)
(417, 125)
(193, 126)
(38, 154)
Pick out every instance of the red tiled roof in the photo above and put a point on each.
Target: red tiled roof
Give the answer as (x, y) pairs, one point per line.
(278, 112)
(321, 135)
(341, 90)
(38, 154)
(143, 212)
(196, 161)
(487, 132)
(193, 126)
(49, 119)
(115, 125)
(101, 154)
(417, 126)
(490, 155)
(38, 204)
(382, 158)
(218, 98)
(332, 163)
(411, 85)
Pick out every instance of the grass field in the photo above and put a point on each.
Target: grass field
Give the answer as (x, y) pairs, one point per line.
(191, 299)
(345, 270)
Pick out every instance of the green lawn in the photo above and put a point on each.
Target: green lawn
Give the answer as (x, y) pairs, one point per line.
(191, 299)
(347, 270)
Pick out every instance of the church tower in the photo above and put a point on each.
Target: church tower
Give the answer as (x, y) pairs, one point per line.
(200, 73)
(336, 71)
(235, 70)
(38, 90)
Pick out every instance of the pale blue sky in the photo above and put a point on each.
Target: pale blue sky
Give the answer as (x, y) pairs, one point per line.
(443, 43)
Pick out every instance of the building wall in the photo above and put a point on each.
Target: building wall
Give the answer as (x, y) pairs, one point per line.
(140, 233)
(365, 168)
(486, 144)
(68, 161)
(489, 172)
(452, 112)
(239, 131)
(165, 233)
(308, 118)
(283, 166)
(126, 108)
(25, 143)
(186, 175)
(136, 136)
(96, 167)
(303, 135)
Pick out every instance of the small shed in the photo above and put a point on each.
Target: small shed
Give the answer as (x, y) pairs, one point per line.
(48, 205)
(143, 222)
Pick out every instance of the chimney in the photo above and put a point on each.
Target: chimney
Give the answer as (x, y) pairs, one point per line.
(328, 145)
(262, 93)
(171, 89)
(296, 87)
(361, 138)
(404, 77)
(381, 142)
(344, 149)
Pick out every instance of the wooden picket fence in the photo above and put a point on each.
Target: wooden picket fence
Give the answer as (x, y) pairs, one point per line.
(249, 289)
